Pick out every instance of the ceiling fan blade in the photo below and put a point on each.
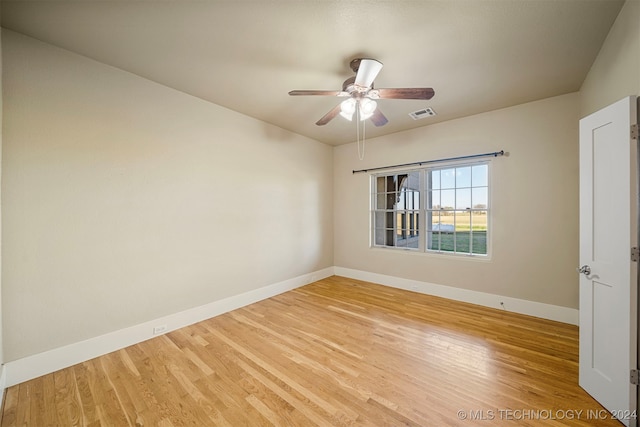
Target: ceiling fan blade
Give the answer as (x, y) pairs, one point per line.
(367, 72)
(378, 118)
(318, 92)
(402, 93)
(329, 116)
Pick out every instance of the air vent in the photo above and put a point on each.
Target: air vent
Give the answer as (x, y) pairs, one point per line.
(420, 114)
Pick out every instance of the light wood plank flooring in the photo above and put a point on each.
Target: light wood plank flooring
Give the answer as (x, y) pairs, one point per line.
(337, 352)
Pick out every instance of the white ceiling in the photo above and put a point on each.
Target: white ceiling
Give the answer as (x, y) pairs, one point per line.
(478, 55)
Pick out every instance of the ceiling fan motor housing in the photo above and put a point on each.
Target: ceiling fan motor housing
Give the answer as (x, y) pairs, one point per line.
(353, 89)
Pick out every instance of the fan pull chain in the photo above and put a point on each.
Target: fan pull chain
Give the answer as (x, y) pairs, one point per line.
(360, 152)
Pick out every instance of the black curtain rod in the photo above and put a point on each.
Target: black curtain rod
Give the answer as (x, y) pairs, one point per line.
(473, 156)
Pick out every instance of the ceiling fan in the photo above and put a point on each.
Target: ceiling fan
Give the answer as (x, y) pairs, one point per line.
(361, 94)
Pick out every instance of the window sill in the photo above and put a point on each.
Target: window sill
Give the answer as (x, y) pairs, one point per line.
(433, 254)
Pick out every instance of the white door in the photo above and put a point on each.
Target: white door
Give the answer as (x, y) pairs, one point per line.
(608, 299)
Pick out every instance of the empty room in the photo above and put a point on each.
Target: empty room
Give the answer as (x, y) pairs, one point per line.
(331, 213)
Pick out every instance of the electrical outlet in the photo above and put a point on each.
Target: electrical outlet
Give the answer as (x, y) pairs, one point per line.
(159, 329)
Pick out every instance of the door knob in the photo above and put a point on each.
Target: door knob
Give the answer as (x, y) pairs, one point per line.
(585, 269)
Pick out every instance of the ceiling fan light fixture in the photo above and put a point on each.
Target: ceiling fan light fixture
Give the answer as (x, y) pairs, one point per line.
(367, 107)
(347, 108)
(346, 116)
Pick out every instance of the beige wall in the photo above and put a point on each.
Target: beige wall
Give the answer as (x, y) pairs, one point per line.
(534, 202)
(124, 200)
(616, 71)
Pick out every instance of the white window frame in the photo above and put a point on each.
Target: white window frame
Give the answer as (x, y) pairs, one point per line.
(422, 212)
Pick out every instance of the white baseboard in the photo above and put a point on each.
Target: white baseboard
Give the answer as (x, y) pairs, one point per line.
(30, 367)
(531, 308)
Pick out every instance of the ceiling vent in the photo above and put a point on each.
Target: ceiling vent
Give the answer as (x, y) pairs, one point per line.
(420, 114)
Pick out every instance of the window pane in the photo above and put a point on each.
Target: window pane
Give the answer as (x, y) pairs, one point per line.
(462, 242)
(434, 200)
(379, 219)
(433, 218)
(408, 200)
(448, 199)
(480, 242)
(379, 236)
(433, 180)
(479, 230)
(448, 178)
(480, 197)
(413, 182)
(479, 221)
(413, 242)
(446, 241)
(463, 220)
(463, 177)
(392, 200)
(402, 181)
(402, 200)
(380, 184)
(390, 186)
(380, 200)
(463, 198)
(388, 220)
(388, 237)
(480, 175)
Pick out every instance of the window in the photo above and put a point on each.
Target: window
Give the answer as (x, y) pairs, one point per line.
(453, 202)
(457, 209)
(397, 210)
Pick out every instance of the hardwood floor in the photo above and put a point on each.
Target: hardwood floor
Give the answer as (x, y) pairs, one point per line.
(336, 352)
